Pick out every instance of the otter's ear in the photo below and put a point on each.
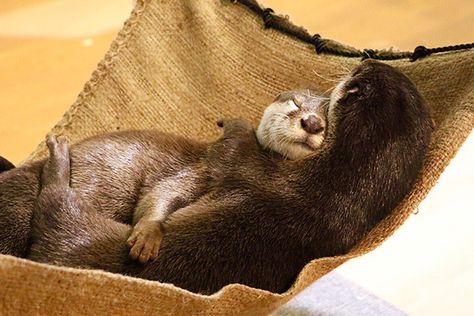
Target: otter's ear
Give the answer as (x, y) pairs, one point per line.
(279, 97)
(220, 123)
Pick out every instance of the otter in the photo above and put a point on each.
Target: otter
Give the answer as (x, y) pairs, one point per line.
(262, 219)
(140, 177)
(292, 126)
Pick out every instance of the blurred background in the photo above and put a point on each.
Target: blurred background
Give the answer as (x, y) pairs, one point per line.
(48, 50)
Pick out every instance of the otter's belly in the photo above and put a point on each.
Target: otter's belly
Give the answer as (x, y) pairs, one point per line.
(109, 172)
(108, 181)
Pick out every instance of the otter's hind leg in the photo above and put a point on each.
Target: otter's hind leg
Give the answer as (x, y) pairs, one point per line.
(54, 201)
(57, 169)
(66, 231)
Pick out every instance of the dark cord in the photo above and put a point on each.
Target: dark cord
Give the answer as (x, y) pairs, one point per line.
(326, 46)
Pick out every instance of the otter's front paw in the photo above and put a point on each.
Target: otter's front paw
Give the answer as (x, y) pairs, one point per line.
(145, 241)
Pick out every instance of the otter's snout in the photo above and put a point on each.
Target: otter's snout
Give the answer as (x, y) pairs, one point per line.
(312, 124)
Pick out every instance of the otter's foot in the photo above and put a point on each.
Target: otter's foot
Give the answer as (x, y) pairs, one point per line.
(56, 170)
(56, 197)
(145, 240)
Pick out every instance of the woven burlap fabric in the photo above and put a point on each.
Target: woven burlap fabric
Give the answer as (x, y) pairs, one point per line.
(178, 66)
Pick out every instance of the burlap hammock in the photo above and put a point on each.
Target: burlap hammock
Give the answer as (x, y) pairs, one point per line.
(178, 66)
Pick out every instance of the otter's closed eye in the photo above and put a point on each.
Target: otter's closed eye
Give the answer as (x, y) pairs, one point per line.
(293, 105)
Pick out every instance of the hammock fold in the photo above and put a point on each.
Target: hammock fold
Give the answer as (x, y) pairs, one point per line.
(178, 66)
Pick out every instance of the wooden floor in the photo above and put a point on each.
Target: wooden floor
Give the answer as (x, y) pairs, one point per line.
(48, 49)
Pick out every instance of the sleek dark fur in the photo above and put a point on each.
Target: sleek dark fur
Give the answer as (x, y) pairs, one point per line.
(135, 177)
(263, 219)
(112, 173)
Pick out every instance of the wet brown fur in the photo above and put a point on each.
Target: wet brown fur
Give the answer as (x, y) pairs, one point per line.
(263, 218)
(134, 177)
(110, 172)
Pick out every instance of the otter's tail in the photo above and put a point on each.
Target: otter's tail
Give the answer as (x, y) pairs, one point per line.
(5, 165)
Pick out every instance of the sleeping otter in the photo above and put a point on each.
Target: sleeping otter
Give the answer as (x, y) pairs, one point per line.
(262, 219)
(140, 177)
(294, 124)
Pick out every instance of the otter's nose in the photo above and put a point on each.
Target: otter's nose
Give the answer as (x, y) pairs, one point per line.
(312, 124)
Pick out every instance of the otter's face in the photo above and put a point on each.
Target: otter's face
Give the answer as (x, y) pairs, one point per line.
(374, 92)
(294, 124)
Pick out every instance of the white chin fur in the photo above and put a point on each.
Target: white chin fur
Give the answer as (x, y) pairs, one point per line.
(336, 94)
(297, 151)
(290, 150)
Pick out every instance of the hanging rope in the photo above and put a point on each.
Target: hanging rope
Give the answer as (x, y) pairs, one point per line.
(422, 51)
(327, 46)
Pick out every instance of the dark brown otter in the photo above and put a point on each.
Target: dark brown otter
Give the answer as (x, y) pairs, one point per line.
(140, 177)
(263, 219)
